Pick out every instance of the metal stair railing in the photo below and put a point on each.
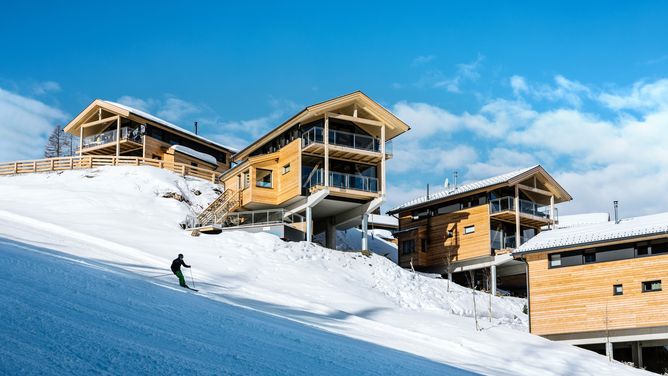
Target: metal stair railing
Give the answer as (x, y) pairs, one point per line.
(220, 208)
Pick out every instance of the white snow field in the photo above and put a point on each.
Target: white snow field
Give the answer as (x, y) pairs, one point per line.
(87, 289)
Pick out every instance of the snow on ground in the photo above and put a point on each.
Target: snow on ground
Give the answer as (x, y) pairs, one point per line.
(116, 218)
(351, 240)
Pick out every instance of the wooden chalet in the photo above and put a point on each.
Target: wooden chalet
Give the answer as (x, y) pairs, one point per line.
(600, 286)
(468, 231)
(324, 167)
(111, 129)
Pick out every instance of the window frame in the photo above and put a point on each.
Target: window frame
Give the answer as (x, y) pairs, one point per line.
(469, 229)
(651, 283)
(621, 289)
(285, 169)
(259, 183)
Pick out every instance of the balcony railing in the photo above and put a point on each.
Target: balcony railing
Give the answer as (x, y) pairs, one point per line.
(110, 136)
(527, 207)
(347, 139)
(262, 217)
(506, 242)
(343, 180)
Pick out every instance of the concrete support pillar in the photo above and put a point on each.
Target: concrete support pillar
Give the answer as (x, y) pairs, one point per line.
(636, 350)
(330, 235)
(365, 232)
(449, 276)
(608, 350)
(493, 278)
(309, 224)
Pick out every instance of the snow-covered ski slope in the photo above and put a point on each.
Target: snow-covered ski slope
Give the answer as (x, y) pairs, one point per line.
(89, 248)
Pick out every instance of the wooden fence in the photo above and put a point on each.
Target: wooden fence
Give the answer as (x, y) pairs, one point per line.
(92, 161)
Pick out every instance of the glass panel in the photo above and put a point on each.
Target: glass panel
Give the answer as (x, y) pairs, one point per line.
(263, 178)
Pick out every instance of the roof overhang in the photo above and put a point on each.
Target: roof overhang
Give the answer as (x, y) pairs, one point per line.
(598, 243)
(394, 126)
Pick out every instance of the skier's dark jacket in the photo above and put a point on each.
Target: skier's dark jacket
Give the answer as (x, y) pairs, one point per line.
(176, 265)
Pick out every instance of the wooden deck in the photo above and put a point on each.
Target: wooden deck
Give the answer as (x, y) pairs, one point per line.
(110, 148)
(344, 153)
(88, 161)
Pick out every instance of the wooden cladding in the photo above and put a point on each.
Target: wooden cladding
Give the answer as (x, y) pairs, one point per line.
(444, 237)
(598, 296)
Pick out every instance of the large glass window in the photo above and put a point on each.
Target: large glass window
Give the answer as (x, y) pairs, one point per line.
(407, 246)
(651, 286)
(263, 178)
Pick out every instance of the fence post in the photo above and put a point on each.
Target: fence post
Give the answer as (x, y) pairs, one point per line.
(34, 166)
(183, 170)
(16, 167)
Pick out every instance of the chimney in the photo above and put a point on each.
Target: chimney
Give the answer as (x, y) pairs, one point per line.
(455, 175)
(427, 191)
(616, 204)
(196, 128)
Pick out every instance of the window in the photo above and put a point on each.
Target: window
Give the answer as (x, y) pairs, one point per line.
(245, 180)
(618, 290)
(469, 230)
(555, 260)
(420, 214)
(155, 156)
(590, 257)
(424, 245)
(263, 178)
(285, 169)
(449, 208)
(651, 286)
(193, 164)
(407, 246)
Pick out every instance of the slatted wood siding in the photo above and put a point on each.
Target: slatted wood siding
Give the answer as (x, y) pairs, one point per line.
(75, 163)
(459, 247)
(573, 299)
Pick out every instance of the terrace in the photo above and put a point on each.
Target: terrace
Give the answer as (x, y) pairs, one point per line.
(346, 145)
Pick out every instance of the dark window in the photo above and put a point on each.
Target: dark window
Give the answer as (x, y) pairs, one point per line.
(156, 157)
(193, 164)
(407, 246)
(420, 214)
(589, 257)
(424, 245)
(611, 254)
(449, 208)
(651, 286)
(643, 250)
(659, 247)
(263, 178)
(565, 259)
(617, 290)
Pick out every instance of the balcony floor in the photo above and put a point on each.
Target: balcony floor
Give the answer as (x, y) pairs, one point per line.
(526, 219)
(344, 153)
(110, 148)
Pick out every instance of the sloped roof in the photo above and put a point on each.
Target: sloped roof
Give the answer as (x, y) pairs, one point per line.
(584, 235)
(464, 188)
(167, 124)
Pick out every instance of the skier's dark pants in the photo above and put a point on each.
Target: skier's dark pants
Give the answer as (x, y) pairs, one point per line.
(182, 281)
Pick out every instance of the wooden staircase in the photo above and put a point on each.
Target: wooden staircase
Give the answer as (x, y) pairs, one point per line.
(220, 208)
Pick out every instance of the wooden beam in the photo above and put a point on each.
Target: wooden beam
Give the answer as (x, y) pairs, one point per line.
(535, 190)
(101, 121)
(326, 139)
(354, 119)
(518, 236)
(552, 212)
(118, 136)
(355, 110)
(80, 140)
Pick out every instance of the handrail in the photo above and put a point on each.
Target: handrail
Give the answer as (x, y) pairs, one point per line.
(341, 138)
(92, 161)
(110, 137)
(344, 180)
(260, 217)
(507, 203)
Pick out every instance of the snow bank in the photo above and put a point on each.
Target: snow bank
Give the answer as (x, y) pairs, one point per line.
(117, 217)
(195, 154)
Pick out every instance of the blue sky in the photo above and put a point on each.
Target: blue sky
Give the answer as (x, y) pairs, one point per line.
(487, 87)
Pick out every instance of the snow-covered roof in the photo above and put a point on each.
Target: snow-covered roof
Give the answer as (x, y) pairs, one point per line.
(195, 154)
(463, 188)
(597, 233)
(156, 119)
(566, 221)
(383, 220)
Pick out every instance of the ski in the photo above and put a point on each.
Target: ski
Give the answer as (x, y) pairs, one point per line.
(190, 288)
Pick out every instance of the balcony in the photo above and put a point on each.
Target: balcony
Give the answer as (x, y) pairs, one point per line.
(343, 181)
(263, 217)
(534, 214)
(105, 142)
(346, 145)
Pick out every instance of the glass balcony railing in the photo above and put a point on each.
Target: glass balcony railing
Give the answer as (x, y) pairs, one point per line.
(343, 180)
(527, 207)
(262, 217)
(110, 136)
(347, 139)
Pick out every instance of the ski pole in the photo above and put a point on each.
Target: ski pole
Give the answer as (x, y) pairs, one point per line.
(191, 277)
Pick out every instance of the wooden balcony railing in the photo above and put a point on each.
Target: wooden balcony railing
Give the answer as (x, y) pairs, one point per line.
(92, 161)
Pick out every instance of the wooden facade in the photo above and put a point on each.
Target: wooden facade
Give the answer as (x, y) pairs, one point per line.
(582, 299)
(106, 128)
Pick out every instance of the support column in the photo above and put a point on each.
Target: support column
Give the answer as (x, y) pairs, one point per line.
(518, 235)
(309, 224)
(382, 161)
(80, 140)
(326, 139)
(330, 234)
(609, 350)
(118, 136)
(493, 277)
(552, 212)
(365, 232)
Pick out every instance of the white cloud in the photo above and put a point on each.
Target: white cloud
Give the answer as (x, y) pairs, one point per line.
(422, 59)
(598, 159)
(416, 158)
(45, 87)
(519, 85)
(170, 108)
(25, 124)
(465, 72)
(642, 96)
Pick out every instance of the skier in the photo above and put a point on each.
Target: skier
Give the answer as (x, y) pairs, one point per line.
(176, 269)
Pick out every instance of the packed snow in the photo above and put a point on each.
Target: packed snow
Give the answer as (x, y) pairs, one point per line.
(582, 219)
(95, 248)
(195, 154)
